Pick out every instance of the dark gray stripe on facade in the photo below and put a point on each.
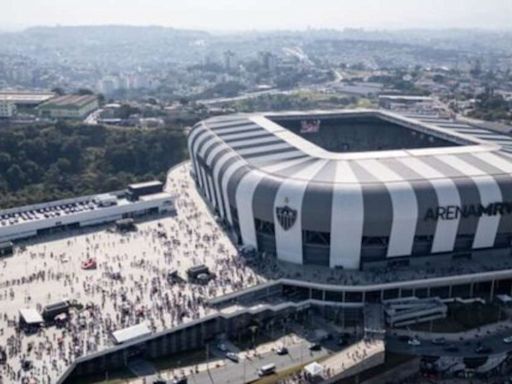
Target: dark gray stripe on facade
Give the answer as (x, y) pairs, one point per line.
(267, 153)
(504, 182)
(264, 163)
(222, 171)
(317, 201)
(191, 147)
(200, 145)
(468, 192)
(426, 196)
(233, 126)
(255, 145)
(249, 130)
(265, 193)
(233, 185)
(215, 144)
(228, 124)
(290, 171)
(378, 208)
(206, 140)
(264, 196)
(249, 137)
(218, 155)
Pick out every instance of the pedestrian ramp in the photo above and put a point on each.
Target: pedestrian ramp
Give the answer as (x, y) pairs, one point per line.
(412, 310)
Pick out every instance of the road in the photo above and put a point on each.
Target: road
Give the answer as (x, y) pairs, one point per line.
(466, 348)
(246, 370)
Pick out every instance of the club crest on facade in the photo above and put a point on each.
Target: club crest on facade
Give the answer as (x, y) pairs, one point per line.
(286, 216)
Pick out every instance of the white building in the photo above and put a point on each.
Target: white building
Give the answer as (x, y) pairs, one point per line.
(40, 219)
(7, 109)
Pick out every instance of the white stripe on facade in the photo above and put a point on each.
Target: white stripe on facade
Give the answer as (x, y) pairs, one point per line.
(291, 193)
(496, 161)
(405, 207)
(447, 195)
(489, 191)
(245, 196)
(347, 218)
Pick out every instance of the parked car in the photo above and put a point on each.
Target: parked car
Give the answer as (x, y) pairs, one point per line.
(483, 349)
(451, 348)
(282, 351)
(233, 357)
(315, 347)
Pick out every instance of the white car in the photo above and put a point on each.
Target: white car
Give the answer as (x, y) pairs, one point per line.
(507, 340)
(414, 342)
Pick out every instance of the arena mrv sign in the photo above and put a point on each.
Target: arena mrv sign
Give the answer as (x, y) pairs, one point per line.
(453, 212)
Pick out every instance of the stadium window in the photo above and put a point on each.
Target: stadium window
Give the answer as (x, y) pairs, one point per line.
(312, 237)
(464, 242)
(375, 240)
(264, 227)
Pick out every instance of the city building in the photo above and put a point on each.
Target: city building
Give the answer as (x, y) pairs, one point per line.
(401, 102)
(351, 189)
(25, 99)
(39, 219)
(69, 106)
(7, 109)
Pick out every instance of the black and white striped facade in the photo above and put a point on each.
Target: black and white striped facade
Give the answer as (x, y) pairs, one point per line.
(284, 195)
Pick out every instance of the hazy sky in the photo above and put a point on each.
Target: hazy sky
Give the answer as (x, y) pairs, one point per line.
(261, 14)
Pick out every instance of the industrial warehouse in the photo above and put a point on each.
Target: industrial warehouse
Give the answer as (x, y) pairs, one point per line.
(347, 189)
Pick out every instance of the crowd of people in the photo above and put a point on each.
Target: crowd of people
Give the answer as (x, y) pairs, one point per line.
(130, 284)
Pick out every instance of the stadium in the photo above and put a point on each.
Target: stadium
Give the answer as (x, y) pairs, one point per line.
(356, 188)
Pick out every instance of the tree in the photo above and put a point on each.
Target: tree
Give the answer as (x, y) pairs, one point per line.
(15, 176)
(85, 91)
(58, 91)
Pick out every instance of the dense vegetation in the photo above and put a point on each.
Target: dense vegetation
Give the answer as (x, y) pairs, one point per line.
(63, 160)
(492, 107)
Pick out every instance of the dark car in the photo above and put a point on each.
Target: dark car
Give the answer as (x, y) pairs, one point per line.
(282, 351)
(315, 347)
(439, 341)
(451, 348)
(483, 349)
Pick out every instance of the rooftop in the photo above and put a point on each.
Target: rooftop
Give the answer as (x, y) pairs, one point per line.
(25, 97)
(69, 101)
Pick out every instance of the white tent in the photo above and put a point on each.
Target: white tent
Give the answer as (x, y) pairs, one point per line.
(31, 316)
(131, 333)
(314, 369)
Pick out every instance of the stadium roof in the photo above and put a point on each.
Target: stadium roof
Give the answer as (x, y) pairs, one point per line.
(256, 141)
